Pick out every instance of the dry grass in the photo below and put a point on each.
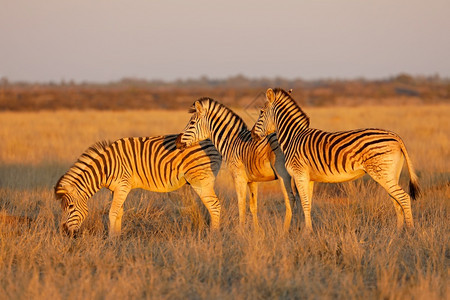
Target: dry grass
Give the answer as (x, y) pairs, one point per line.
(166, 250)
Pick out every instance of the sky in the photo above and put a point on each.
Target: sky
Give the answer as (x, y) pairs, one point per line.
(107, 40)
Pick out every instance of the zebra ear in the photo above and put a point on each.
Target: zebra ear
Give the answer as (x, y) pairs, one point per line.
(270, 95)
(199, 108)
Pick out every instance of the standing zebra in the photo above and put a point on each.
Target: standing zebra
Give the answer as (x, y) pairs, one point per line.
(151, 163)
(248, 160)
(315, 155)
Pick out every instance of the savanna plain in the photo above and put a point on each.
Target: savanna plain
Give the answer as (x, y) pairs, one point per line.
(166, 250)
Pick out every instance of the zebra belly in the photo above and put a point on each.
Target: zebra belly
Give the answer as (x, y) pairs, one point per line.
(262, 177)
(337, 177)
(171, 186)
(262, 172)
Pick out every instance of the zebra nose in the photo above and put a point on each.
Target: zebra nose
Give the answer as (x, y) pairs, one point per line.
(65, 228)
(67, 231)
(179, 144)
(255, 136)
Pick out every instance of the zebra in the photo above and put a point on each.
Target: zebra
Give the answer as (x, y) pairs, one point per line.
(151, 163)
(249, 161)
(313, 155)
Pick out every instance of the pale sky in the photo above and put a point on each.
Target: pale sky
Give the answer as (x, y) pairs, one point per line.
(106, 40)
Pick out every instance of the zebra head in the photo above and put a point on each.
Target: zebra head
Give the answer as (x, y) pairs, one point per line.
(265, 124)
(74, 208)
(196, 130)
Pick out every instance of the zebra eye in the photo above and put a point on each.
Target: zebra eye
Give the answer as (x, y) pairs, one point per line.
(71, 206)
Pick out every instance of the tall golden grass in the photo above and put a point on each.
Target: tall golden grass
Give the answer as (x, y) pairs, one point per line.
(166, 250)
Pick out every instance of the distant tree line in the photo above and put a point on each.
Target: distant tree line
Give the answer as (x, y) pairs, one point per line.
(236, 91)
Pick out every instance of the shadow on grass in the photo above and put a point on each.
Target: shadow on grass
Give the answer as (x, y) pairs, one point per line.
(24, 177)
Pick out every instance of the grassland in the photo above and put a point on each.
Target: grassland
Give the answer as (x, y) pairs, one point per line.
(166, 250)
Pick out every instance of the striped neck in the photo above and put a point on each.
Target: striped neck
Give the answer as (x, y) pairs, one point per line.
(225, 127)
(289, 119)
(87, 174)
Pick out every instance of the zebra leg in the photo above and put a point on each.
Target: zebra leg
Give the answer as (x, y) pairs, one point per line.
(397, 206)
(253, 188)
(116, 210)
(289, 199)
(205, 190)
(303, 185)
(118, 223)
(386, 173)
(278, 163)
(399, 213)
(240, 186)
(311, 188)
(402, 203)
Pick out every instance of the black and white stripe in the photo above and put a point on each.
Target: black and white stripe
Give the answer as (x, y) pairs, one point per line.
(249, 161)
(314, 155)
(151, 163)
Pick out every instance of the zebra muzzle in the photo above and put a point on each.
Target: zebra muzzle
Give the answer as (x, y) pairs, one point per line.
(255, 136)
(69, 232)
(180, 145)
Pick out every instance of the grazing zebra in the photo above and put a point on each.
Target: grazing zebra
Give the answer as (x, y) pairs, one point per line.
(248, 160)
(314, 155)
(151, 163)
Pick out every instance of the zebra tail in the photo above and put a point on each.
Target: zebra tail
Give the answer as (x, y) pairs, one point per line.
(414, 188)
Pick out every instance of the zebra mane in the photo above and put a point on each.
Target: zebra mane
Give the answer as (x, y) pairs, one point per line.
(98, 146)
(92, 151)
(212, 104)
(282, 96)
